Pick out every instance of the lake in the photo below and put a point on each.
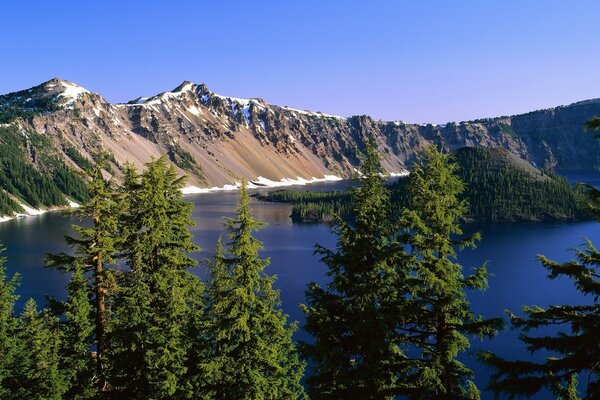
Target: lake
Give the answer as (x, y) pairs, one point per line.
(509, 250)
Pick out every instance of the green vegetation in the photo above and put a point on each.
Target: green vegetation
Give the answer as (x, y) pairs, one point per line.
(184, 160)
(391, 322)
(25, 104)
(502, 187)
(356, 353)
(43, 187)
(438, 317)
(499, 187)
(394, 317)
(77, 158)
(252, 355)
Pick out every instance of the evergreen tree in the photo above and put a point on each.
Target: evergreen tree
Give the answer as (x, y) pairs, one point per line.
(77, 365)
(8, 326)
(575, 347)
(356, 352)
(36, 373)
(210, 374)
(95, 249)
(439, 314)
(253, 355)
(152, 317)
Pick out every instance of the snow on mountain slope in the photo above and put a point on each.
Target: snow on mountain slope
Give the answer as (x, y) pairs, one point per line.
(217, 140)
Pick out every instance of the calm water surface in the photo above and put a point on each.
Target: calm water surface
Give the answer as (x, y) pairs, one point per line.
(509, 250)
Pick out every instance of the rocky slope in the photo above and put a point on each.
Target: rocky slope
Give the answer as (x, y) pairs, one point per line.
(218, 140)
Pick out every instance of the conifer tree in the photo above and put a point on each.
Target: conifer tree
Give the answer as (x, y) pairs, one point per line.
(36, 373)
(77, 365)
(253, 355)
(152, 317)
(440, 318)
(357, 351)
(575, 347)
(210, 375)
(8, 326)
(95, 249)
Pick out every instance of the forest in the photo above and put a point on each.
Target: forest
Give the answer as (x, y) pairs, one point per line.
(391, 323)
(37, 188)
(499, 188)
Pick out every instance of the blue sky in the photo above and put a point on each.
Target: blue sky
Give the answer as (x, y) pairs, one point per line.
(418, 61)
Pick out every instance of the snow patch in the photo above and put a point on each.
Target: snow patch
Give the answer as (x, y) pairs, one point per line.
(312, 113)
(30, 210)
(401, 173)
(261, 182)
(71, 92)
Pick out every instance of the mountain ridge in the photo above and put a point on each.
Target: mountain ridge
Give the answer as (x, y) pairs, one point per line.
(217, 140)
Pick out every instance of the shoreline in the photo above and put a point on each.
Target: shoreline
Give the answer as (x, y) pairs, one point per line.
(257, 183)
(34, 212)
(261, 182)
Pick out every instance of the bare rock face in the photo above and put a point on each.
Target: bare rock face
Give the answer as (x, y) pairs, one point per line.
(218, 140)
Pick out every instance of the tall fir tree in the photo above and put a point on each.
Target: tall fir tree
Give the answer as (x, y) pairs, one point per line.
(439, 315)
(151, 313)
(210, 373)
(77, 364)
(36, 372)
(253, 355)
(95, 250)
(8, 327)
(356, 351)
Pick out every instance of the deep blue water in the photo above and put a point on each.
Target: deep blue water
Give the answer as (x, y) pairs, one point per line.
(509, 250)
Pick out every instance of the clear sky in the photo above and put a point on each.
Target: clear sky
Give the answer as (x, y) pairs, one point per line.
(417, 61)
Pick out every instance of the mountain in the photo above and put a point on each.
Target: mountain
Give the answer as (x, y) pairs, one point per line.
(217, 140)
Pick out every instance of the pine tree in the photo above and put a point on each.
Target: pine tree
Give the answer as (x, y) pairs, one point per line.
(77, 365)
(253, 355)
(209, 373)
(357, 350)
(36, 373)
(575, 347)
(8, 326)
(152, 317)
(95, 250)
(440, 318)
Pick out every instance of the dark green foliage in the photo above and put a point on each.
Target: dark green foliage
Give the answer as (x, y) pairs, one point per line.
(22, 179)
(593, 124)
(251, 355)
(77, 366)
(312, 207)
(68, 181)
(184, 160)
(36, 373)
(498, 189)
(8, 326)
(151, 317)
(356, 353)
(25, 104)
(438, 318)
(77, 158)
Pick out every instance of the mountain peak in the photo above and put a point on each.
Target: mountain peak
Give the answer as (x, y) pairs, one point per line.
(185, 86)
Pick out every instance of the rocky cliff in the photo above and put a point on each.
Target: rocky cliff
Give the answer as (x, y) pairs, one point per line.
(218, 140)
